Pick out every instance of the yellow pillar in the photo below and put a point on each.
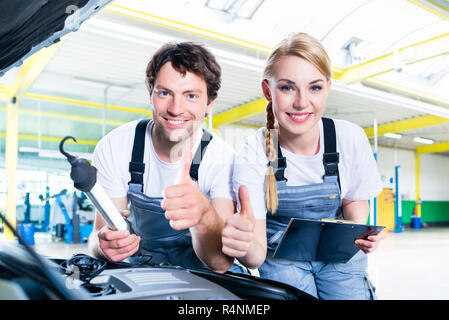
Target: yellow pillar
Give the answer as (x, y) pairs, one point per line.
(12, 122)
(418, 197)
(28, 73)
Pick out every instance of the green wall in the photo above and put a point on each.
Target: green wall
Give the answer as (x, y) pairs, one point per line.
(431, 211)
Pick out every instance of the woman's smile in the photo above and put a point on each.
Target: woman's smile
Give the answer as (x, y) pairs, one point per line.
(299, 117)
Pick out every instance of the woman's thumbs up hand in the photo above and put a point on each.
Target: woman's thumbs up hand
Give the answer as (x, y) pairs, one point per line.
(238, 232)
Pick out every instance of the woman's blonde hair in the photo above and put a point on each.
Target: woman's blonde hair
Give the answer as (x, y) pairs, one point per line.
(300, 45)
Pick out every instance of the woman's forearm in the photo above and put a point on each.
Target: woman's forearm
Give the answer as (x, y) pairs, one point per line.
(356, 211)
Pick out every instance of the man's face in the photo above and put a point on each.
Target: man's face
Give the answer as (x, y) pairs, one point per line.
(179, 103)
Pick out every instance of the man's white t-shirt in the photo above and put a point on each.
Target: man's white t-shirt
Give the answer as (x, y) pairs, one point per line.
(113, 154)
(359, 176)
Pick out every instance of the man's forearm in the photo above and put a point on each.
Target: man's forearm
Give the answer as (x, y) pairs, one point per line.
(93, 245)
(206, 240)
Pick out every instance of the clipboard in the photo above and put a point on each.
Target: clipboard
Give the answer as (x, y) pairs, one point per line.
(322, 240)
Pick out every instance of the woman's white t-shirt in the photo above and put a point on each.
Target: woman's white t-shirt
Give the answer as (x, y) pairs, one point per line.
(113, 154)
(359, 176)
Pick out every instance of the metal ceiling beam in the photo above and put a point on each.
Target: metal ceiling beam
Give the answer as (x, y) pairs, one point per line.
(410, 124)
(31, 69)
(407, 91)
(239, 113)
(183, 27)
(405, 125)
(66, 116)
(77, 102)
(433, 148)
(417, 52)
(5, 91)
(33, 137)
(432, 7)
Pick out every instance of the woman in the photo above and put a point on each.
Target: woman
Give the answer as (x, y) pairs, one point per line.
(320, 168)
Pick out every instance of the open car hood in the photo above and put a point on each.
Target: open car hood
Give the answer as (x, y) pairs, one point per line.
(27, 26)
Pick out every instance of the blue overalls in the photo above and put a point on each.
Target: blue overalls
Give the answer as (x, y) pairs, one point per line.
(164, 244)
(329, 281)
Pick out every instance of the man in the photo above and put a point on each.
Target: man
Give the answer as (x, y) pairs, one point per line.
(148, 165)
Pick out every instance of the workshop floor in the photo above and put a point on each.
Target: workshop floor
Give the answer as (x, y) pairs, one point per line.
(412, 265)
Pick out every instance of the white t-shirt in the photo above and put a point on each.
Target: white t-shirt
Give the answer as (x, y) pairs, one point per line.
(113, 154)
(359, 176)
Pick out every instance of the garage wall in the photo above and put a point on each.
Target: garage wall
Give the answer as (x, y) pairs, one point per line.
(434, 173)
(434, 184)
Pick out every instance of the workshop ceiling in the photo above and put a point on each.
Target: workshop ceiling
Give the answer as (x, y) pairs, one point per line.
(105, 60)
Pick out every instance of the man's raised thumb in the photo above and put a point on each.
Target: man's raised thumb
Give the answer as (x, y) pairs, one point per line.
(184, 173)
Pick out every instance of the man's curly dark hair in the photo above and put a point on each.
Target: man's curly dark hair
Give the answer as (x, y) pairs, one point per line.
(187, 56)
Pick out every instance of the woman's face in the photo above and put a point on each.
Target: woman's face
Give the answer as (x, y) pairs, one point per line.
(298, 92)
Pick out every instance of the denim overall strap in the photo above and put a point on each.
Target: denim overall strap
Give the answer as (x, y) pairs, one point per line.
(136, 165)
(315, 201)
(147, 218)
(199, 154)
(330, 156)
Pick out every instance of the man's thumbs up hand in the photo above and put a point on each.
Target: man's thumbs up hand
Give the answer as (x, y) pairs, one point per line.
(238, 232)
(183, 202)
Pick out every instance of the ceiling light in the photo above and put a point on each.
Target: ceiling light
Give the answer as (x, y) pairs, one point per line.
(28, 149)
(239, 8)
(393, 135)
(217, 4)
(423, 140)
(352, 51)
(249, 8)
(55, 154)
